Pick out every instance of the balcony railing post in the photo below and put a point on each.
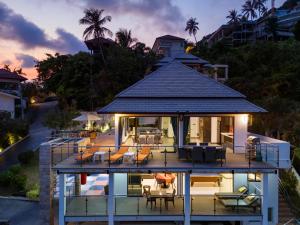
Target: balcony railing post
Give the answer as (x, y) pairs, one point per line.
(61, 153)
(86, 205)
(81, 155)
(137, 156)
(165, 156)
(249, 157)
(215, 209)
(109, 154)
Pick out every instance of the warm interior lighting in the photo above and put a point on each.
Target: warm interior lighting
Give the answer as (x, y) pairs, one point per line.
(245, 119)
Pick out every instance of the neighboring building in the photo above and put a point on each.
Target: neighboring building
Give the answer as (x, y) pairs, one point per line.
(232, 34)
(10, 83)
(8, 103)
(251, 31)
(180, 151)
(172, 48)
(93, 44)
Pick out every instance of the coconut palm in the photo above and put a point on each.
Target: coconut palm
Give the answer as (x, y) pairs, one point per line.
(233, 17)
(192, 27)
(260, 6)
(95, 20)
(249, 10)
(124, 39)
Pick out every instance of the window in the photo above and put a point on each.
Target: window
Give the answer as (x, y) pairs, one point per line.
(254, 177)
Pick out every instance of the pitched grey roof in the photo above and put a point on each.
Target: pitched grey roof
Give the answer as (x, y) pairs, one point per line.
(176, 88)
(183, 58)
(180, 105)
(178, 80)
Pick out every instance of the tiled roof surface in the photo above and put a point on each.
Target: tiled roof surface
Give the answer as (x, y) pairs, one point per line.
(178, 80)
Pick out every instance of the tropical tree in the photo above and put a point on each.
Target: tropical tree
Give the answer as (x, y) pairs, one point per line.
(124, 38)
(260, 6)
(95, 20)
(192, 27)
(249, 9)
(233, 17)
(272, 27)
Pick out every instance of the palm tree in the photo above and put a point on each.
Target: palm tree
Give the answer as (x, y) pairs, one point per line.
(124, 39)
(95, 20)
(233, 17)
(192, 27)
(248, 9)
(260, 6)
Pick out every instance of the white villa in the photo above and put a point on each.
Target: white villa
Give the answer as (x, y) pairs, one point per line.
(180, 151)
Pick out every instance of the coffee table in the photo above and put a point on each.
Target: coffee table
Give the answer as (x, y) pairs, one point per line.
(128, 157)
(102, 155)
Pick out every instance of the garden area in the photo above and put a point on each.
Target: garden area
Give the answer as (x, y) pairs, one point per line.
(22, 179)
(11, 130)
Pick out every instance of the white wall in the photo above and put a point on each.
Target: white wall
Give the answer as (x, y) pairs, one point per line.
(120, 184)
(240, 132)
(214, 130)
(7, 104)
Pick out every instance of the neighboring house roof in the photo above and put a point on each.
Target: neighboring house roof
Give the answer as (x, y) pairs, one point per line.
(8, 95)
(176, 88)
(5, 74)
(170, 37)
(183, 58)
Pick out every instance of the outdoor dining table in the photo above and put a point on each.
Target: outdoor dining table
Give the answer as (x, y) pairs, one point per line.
(161, 194)
(100, 154)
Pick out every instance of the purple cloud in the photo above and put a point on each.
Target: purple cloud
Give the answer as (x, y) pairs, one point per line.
(27, 61)
(162, 13)
(15, 27)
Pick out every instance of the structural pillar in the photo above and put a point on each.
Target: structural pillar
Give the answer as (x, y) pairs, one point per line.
(180, 132)
(240, 133)
(62, 199)
(214, 130)
(187, 200)
(77, 184)
(117, 139)
(111, 201)
(265, 198)
(179, 184)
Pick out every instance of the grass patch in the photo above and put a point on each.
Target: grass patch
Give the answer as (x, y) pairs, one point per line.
(28, 171)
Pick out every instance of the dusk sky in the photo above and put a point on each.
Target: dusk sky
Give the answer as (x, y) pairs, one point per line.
(31, 28)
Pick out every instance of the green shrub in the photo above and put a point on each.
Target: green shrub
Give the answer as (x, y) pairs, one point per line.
(5, 178)
(26, 157)
(18, 182)
(15, 169)
(33, 194)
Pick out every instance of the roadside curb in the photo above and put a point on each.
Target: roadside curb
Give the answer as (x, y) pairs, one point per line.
(18, 198)
(9, 147)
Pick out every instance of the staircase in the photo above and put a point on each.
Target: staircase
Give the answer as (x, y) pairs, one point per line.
(284, 211)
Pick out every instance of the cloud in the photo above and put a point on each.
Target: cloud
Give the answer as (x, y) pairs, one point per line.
(6, 62)
(162, 14)
(15, 27)
(27, 61)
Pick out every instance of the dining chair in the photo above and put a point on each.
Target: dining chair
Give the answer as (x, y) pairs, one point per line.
(170, 199)
(210, 154)
(197, 154)
(147, 194)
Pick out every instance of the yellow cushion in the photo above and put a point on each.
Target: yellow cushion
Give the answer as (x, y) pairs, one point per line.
(242, 189)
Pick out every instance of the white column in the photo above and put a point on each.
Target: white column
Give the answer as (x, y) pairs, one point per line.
(111, 201)
(179, 184)
(265, 198)
(62, 199)
(187, 200)
(214, 130)
(240, 132)
(117, 118)
(180, 133)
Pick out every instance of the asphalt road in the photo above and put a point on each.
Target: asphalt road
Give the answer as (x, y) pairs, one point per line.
(38, 133)
(19, 212)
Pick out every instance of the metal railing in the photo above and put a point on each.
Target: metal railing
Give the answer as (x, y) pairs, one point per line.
(89, 205)
(160, 156)
(226, 205)
(262, 152)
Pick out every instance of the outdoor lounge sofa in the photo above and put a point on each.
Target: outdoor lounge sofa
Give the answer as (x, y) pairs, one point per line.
(250, 201)
(118, 156)
(233, 195)
(143, 155)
